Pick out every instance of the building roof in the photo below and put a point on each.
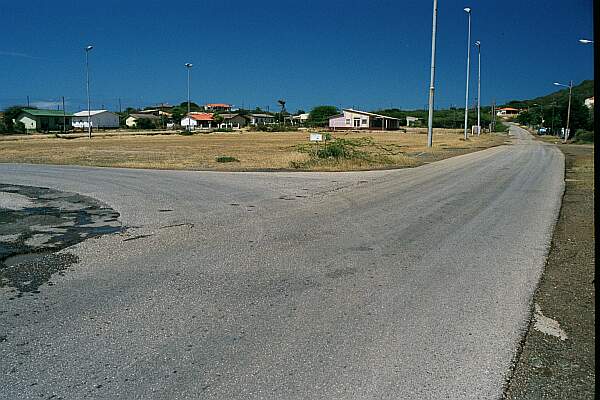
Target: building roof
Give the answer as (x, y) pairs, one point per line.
(507, 109)
(85, 113)
(143, 116)
(370, 114)
(218, 105)
(46, 113)
(229, 116)
(262, 115)
(201, 116)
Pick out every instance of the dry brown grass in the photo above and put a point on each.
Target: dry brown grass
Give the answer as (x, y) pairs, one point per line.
(255, 151)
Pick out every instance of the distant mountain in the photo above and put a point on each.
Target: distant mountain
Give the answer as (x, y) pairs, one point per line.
(581, 92)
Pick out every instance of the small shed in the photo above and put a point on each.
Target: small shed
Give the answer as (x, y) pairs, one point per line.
(98, 119)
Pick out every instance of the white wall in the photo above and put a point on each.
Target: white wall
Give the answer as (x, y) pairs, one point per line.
(101, 120)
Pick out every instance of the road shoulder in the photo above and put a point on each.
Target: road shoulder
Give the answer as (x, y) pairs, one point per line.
(557, 354)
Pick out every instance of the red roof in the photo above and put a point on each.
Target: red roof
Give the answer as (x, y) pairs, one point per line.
(218, 105)
(508, 109)
(201, 116)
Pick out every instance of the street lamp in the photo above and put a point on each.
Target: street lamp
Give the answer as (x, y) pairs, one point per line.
(478, 44)
(432, 78)
(586, 41)
(87, 86)
(188, 66)
(570, 86)
(468, 11)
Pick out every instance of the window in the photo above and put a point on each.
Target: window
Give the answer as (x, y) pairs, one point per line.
(364, 121)
(347, 121)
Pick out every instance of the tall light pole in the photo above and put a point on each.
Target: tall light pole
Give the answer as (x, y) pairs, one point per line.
(87, 86)
(468, 11)
(188, 66)
(432, 77)
(570, 86)
(478, 44)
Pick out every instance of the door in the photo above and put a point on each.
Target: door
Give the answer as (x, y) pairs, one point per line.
(357, 122)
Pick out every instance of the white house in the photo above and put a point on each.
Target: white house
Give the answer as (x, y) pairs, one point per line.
(261, 119)
(98, 119)
(299, 119)
(354, 119)
(589, 102)
(197, 120)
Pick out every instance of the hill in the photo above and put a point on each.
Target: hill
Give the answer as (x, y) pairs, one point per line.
(580, 92)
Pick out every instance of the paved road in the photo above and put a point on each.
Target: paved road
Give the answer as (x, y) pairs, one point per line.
(409, 284)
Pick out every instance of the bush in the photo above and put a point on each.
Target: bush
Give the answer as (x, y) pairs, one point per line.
(226, 159)
(223, 130)
(274, 128)
(185, 133)
(583, 136)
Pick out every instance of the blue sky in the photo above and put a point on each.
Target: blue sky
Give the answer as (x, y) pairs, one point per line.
(366, 54)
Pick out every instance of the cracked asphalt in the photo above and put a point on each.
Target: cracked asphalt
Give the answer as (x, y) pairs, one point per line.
(413, 283)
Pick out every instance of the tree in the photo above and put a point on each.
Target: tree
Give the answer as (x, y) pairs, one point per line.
(319, 116)
(193, 106)
(145, 123)
(218, 118)
(10, 114)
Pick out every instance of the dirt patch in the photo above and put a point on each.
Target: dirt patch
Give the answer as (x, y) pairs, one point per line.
(254, 151)
(557, 361)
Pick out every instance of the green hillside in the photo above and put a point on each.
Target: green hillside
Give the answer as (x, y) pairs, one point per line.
(580, 92)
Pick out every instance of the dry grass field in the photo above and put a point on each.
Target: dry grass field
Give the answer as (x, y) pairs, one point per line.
(254, 150)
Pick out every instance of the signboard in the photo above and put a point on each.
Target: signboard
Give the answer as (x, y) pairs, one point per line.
(316, 137)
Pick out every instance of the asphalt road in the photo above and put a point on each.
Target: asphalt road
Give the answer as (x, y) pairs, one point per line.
(412, 284)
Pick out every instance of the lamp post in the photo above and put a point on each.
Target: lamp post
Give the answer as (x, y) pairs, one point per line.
(188, 66)
(570, 86)
(468, 11)
(432, 78)
(478, 44)
(87, 86)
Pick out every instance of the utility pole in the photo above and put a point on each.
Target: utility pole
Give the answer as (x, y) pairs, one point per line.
(494, 115)
(119, 105)
(28, 102)
(189, 119)
(432, 77)
(570, 86)
(64, 116)
(478, 44)
(468, 11)
(87, 85)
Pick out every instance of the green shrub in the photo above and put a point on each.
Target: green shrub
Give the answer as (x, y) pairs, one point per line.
(226, 159)
(583, 136)
(274, 128)
(185, 133)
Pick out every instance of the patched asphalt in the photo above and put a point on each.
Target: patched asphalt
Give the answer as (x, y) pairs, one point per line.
(36, 223)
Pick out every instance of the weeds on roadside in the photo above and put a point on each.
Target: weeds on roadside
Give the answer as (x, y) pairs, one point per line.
(226, 159)
(363, 152)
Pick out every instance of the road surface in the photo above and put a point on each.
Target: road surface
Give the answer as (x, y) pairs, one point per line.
(412, 283)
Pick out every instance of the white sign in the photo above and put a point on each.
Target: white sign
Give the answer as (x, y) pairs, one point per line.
(316, 137)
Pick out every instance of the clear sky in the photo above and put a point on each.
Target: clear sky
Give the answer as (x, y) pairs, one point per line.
(366, 54)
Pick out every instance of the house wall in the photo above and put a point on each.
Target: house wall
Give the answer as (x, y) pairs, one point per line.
(337, 122)
(187, 121)
(236, 122)
(102, 120)
(29, 122)
(130, 122)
